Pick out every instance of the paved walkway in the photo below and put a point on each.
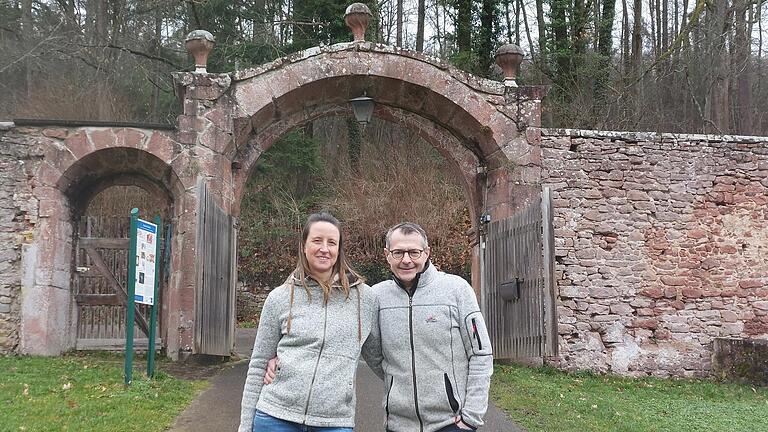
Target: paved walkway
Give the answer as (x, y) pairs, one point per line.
(218, 408)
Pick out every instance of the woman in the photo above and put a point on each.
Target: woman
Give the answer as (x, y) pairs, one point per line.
(315, 323)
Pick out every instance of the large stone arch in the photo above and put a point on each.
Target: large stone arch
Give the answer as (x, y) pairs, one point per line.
(479, 125)
(473, 122)
(239, 115)
(462, 162)
(469, 108)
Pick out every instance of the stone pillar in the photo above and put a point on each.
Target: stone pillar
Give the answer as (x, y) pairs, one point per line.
(47, 306)
(515, 180)
(18, 217)
(205, 130)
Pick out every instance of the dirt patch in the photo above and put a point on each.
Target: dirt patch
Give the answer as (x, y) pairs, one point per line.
(194, 370)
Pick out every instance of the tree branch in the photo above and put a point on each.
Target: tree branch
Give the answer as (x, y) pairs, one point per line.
(700, 4)
(136, 53)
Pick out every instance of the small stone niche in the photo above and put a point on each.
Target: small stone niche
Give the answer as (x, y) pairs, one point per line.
(741, 360)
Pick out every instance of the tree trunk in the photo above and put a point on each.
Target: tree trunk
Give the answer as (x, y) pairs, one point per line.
(399, 24)
(438, 32)
(464, 26)
(741, 64)
(28, 35)
(542, 25)
(606, 28)
(625, 56)
(68, 10)
(157, 42)
(560, 42)
(518, 8)
(261, 30)
(718, 113)
(354, 146)
(637, 58)
(421, 16)
(604, 47)
(654, 43)
(534, 57)
(665, 26)
(509, 22)
(579, 29)
(487, 38)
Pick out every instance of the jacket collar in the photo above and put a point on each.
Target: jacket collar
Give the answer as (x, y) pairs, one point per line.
(311, 282)
(422, 278)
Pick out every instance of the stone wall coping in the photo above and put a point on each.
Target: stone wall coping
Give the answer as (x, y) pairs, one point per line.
(635, 137)
(91, 124)
(477, 83)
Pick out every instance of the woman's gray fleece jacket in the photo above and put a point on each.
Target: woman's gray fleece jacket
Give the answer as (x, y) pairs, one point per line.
(315, 382)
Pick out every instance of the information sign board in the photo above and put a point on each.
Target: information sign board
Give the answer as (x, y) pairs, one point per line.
(146, 259)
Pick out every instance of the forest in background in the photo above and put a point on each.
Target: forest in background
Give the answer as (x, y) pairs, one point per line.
(633, 65)
(369, 178)
(656, 65)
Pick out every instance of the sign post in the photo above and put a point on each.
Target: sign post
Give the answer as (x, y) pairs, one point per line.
(153, 314)
(142, 285)
(131, 288)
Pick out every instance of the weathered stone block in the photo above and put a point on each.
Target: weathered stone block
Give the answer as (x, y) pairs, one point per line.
(743, 360)
(573, 292)
(622, 309)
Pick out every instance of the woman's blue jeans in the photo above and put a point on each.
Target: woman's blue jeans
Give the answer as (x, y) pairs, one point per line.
(266, 423)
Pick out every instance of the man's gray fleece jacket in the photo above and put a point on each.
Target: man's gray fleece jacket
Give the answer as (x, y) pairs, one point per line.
(437, 361)
(318, 358)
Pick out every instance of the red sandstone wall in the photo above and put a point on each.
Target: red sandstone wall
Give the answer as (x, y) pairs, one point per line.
(661, 246)
(18, 217)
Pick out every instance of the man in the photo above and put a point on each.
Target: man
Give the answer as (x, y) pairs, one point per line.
(432, 349)
(436, 357)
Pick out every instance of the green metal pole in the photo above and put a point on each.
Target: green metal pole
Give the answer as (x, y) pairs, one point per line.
(153, 313)
(129, 317)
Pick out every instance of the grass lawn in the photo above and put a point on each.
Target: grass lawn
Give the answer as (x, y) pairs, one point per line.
(86, 393)
(544, 399)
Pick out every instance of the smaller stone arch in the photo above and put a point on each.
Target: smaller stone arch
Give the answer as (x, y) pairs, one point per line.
(82, 182)
(78, 164)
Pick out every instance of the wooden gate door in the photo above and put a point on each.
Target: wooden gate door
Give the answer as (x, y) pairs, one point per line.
(517, 288)
(216, 277)
(99, 285)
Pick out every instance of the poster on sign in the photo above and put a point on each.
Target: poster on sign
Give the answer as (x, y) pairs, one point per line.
(146, 249)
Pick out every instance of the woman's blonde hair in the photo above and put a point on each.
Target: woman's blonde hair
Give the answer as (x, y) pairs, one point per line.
(342, 270)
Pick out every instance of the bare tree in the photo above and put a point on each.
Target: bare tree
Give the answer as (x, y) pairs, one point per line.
(399, 23)
(420, 25)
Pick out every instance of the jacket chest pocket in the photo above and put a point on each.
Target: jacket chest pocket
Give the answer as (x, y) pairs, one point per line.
(434, 318)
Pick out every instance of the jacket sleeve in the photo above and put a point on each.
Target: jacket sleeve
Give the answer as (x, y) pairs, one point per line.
(371, 351)
(264, 348)
(477, 346)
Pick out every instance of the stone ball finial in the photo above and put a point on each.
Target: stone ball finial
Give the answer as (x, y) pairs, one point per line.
(199, 44)
(509, 57)
(357, 17)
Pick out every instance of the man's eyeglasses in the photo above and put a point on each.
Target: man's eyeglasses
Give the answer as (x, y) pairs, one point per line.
(413, 253)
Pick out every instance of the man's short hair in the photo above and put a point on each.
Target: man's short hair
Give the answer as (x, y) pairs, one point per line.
(407, 228)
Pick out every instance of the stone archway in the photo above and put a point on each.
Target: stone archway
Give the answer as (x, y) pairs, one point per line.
(462, 162)
(79, 163)
(238, 116)
(228, 120)
(480, 126)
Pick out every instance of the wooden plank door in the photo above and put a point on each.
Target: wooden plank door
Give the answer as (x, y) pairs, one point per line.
(99, 286)
(216, 277)
(516, 295)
